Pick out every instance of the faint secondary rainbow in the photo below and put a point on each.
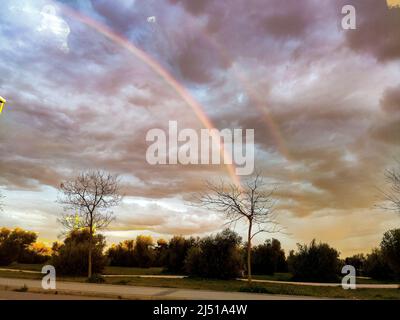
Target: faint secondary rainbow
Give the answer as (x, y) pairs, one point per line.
(158, 69)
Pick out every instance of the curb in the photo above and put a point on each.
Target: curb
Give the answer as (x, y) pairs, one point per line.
(86, 294)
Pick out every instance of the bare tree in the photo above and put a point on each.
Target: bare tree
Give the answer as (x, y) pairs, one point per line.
(87, 200)
(392, 195)
(250, 202)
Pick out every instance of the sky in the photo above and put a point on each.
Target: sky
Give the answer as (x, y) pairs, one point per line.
(85, 81)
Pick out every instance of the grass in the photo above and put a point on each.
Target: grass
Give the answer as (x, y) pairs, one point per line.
(270, 288)
(221, 285)
(275, 277)
(159, 271)
(23, 266)
(24, 288)
(132, 271)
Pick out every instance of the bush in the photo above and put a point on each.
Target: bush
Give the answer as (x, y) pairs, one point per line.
(358, 262)
(129, 253)
(96, 278)
(316, 262)
(376, 266)
(14, 244)
(144, 255)
(216, 257)
(390, 248)
(122, 254)
(254, 289)
(268, 258)
(36, 253)
(161, 253)
(72, 256)
(178, 248)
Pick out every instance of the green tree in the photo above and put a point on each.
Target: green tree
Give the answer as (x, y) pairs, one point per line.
(161, 253)
(36, 253)
(122, 254)
(268, 258)
(13, 244)
(390, 247)
(314, 262)
(376, 266)
(71, 256)
(143, 255)
(178, 248)
(357, 261)
(215, 257)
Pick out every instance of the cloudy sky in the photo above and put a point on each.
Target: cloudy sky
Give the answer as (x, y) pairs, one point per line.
(85, 81)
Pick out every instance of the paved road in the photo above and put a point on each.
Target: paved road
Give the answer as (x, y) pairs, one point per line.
(312, 284)
(136, 292)
(12, 295)
(318, 284)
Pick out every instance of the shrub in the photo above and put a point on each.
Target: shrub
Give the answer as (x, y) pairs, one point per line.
(178, 248)
(390, 248)
(316, 262)
(122, 254)
(215, 257)
(143, 255)
(129, 253)
(268, 258)
(376, 266)
(358, 262)
(96, 278)
(72, 256)
(14, 243)
(36, 253)
(161, 253)
(254, 289)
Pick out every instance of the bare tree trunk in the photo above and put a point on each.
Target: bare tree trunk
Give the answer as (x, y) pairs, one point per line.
(90, 252)
(249, 252)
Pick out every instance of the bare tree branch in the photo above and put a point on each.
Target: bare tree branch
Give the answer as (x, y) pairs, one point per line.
(391, 196)
(250, 202)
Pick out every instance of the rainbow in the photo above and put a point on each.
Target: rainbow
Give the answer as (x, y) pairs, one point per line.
(158, 69)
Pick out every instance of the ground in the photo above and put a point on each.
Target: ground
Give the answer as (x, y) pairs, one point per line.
(127, 279)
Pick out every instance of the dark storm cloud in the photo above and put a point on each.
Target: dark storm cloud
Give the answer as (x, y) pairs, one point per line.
(378, 30)
(326, 115)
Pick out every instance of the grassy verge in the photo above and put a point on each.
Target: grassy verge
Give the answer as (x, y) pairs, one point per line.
(23, 266)
(275, 277)
(132, 271)
(269, 288)
(232, 286)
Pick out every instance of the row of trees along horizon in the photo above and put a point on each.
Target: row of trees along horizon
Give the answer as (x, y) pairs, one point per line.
(219, 256)
(88, 199)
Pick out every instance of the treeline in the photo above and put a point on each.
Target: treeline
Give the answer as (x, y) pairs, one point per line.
(220, 256)
(21, 246)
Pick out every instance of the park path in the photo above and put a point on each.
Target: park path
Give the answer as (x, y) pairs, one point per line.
(319, 284)
(312, 284)
(137, 292)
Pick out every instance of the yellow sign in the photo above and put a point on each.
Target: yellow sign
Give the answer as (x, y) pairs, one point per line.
(2, 103)
(393, 3)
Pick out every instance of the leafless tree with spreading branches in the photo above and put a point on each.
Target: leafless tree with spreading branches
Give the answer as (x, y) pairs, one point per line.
(87, 200)
(250, 202)
(392, 195)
